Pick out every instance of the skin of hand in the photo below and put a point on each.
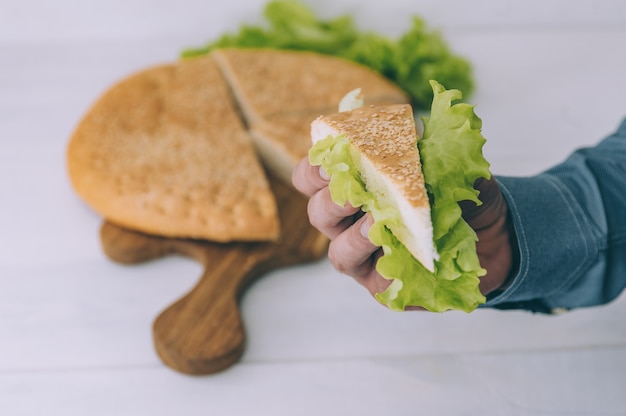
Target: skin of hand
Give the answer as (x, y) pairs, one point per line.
(351, 252)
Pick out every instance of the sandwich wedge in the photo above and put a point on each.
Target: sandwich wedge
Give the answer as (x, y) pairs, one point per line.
(411, 187)
(382, 143)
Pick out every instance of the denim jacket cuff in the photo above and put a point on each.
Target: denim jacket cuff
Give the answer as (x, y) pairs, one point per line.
(556, 241)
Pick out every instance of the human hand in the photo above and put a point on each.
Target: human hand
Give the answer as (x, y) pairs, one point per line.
(351, 252)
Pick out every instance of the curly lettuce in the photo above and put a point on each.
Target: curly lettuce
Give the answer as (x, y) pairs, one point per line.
(409, 61)
(452, 160)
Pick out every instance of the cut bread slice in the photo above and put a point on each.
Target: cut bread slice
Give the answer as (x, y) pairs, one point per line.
(267, 82)
(281, 92)
(164, 151)
(384, 140)
(282, 140)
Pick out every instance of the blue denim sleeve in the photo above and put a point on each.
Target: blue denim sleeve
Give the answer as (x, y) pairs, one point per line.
(570, 229)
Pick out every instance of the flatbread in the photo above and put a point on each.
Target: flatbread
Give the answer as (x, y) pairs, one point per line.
(282, 140)
(281, 92)
(164, 151)
(176, 150)
(268, 82)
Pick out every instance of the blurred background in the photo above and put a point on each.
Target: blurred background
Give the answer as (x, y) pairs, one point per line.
(75, 328)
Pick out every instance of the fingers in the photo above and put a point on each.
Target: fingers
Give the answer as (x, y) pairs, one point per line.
(307, 179)
(328, 217)
(351, 251)
(353, 254)
(324, 214)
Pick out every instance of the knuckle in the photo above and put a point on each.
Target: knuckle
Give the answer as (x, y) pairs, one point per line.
(305, 178)
(338, 261)
(299, 179)
(326, 216)
(316, 213)
(377, 284)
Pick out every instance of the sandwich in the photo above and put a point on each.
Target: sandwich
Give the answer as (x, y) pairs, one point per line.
(411, 186)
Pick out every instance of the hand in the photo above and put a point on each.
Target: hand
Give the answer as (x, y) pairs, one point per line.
(352, 253)
(494, 229)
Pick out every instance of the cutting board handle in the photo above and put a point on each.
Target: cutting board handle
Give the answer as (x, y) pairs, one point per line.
(202, 332)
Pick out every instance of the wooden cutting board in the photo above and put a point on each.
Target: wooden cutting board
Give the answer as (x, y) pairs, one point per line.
(202, 332)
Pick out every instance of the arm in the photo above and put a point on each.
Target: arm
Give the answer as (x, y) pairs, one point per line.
(555, 240)
(570, 229)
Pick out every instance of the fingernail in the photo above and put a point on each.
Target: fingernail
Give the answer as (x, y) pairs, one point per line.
(366, 223)
(323, 174)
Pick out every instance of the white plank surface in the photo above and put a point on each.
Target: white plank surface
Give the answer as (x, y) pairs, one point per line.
(75, 328)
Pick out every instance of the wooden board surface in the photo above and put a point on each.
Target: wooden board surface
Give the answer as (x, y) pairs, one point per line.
(202, 332)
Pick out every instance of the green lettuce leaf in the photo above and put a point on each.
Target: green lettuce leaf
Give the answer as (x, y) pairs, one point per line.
(409, 61)
(452, 160)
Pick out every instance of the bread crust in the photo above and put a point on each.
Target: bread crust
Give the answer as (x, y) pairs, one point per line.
(164, 151)
(268, 82)
(281, 92)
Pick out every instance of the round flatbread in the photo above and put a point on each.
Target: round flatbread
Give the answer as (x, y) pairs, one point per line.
(164, 151)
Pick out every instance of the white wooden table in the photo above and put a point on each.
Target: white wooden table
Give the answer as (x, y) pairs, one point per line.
(75, 328)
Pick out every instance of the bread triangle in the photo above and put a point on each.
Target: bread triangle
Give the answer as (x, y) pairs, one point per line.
(282, 141)
(280, 92)
(267, 82)
(164, 151)
(385, 141)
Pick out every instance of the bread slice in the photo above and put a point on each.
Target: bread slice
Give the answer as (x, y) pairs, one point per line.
(281, 92)
(268, 82)
(164, 151)
(282, 141)
(385, 140)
